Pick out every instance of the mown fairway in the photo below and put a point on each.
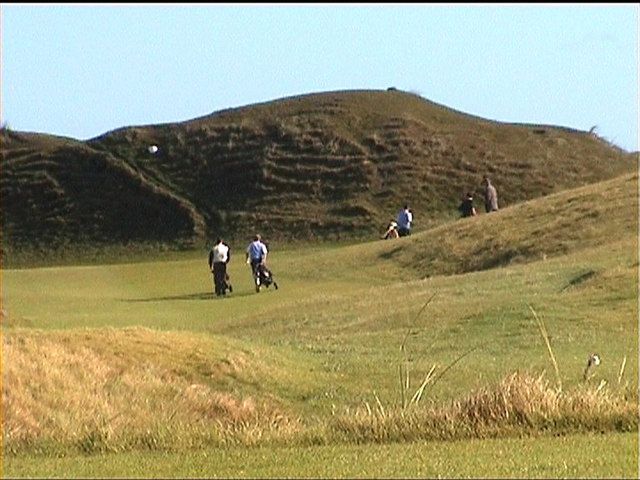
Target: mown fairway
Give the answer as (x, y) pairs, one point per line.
(141, 367)
(585, 456)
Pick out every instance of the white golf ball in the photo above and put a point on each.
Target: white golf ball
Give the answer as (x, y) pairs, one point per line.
(153, 149)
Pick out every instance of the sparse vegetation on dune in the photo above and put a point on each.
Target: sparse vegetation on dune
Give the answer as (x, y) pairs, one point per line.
(519, 405)
(115, 390)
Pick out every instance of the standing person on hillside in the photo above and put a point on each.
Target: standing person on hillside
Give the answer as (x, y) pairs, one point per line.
(490, 196)
(466, 208)
(405, 217)
(256, 256)
(219, 257)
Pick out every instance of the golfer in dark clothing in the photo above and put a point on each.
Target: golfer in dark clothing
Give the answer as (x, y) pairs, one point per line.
(466, 208)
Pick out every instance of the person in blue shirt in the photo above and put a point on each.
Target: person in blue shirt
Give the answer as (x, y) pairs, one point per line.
(405, 217)
(256, 256)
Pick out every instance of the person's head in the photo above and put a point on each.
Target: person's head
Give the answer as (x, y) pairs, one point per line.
(469, 196)
(406, 207)
(257, 237)
(485, 180)
(218, 240)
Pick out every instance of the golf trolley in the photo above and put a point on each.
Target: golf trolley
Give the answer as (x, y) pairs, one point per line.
(264, 277)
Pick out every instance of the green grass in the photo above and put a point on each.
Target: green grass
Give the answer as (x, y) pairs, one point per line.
(139, 358)
(583, 456)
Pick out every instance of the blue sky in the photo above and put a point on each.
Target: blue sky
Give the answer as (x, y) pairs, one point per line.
(80, 70)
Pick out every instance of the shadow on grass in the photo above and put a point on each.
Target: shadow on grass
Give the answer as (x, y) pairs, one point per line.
(391, 253)
(191, 296)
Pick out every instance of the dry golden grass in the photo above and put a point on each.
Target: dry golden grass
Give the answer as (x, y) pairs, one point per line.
(60, 391)
(521, 404)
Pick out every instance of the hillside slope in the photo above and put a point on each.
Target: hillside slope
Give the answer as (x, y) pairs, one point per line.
(604, 213)
(594, 215)
(329, 165)
(555, 225)
(142, 356)
(57, 191)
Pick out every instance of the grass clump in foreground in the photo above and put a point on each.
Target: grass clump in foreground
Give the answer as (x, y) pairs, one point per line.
(520, 405)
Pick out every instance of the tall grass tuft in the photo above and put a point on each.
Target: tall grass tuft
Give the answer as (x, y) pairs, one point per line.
(405, 363)
(545, 336)
(404, 367)
(521, 404)
(622, 367)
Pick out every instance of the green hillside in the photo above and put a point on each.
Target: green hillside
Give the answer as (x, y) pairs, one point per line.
(558, 224)
(57, 192)
(332, 165)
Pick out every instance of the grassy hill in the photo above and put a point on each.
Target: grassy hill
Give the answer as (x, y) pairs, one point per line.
(551, 226)
(558, 224)
(332, 165)
(57, 192)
